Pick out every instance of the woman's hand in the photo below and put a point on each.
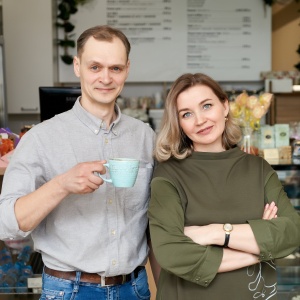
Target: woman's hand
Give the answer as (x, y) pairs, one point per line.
(213, 234)
(203, 235)
(270, 211)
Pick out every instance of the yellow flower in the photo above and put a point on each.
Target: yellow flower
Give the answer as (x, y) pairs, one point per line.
(250, 109)
(251, 102)
(235, 109)
(241, 99)
(266, 99)
(258, 111)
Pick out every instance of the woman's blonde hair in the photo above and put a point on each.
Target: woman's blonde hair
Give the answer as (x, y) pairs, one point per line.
(171, 140)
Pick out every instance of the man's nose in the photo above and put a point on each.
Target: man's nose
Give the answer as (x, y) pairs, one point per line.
(105, 76)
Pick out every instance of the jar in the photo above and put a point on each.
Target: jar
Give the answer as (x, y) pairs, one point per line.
(296, 148)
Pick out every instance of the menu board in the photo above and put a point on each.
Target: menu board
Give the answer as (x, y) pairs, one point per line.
(228, 40)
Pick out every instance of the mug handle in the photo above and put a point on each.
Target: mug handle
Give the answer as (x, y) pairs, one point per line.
(101, 176)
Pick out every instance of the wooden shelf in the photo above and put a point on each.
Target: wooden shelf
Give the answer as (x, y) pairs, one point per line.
(285, 108)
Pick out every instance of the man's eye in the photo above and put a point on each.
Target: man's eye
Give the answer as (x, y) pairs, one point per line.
(95, 68)
(116, 69)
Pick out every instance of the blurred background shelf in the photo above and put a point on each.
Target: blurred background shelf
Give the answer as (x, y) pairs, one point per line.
(288, 268)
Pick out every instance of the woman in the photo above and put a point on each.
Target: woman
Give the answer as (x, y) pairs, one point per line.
(207, 199)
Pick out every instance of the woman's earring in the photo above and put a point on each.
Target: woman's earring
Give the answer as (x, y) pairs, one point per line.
(226, 119)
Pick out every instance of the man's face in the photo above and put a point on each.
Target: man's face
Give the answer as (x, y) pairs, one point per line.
(102, 68)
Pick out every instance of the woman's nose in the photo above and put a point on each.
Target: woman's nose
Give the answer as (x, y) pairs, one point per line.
(200, 119)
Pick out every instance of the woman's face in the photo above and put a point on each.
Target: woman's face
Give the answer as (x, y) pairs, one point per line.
(202, 118)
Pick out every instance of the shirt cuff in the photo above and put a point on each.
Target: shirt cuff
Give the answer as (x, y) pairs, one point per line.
(263, 239)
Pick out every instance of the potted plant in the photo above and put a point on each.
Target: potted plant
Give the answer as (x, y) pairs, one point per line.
(67, 8)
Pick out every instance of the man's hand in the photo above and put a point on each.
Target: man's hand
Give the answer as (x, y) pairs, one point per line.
(82, 178)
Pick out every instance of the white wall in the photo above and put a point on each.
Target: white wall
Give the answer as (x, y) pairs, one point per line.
(29, 52)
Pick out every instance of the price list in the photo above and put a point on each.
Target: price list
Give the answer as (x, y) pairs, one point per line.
(143, 22)
(219, 38)
(228, 40)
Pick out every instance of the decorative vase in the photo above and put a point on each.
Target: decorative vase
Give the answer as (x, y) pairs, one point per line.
(248, 142)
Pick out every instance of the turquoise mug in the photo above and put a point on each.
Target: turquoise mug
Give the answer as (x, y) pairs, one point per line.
(123, 171)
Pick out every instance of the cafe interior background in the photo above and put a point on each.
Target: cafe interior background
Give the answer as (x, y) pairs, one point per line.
(30, 58)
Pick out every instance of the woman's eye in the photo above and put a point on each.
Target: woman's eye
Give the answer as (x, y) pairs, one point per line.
(186, 115)
(207, 106)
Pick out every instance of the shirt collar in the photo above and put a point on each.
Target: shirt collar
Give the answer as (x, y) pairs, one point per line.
(93, 123)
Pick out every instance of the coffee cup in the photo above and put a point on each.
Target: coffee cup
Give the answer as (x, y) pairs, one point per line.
(123, 171)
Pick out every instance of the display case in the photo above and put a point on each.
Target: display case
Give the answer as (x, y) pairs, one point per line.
(288, 268)
(20, 270)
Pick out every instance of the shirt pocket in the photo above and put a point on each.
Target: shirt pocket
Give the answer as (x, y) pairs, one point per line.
(136, 198)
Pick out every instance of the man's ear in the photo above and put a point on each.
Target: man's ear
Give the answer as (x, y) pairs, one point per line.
(76, 65)
(128, 68)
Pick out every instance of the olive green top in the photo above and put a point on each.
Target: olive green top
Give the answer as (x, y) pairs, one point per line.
(226, 187)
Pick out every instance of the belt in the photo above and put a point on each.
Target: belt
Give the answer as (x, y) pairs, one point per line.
(93, 277)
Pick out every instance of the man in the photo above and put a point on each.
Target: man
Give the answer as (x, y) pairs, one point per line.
(90, 234)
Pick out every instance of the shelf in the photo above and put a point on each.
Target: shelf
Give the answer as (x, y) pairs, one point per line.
(289, 275)
(34, 281)
(286, 166)
(288, 269)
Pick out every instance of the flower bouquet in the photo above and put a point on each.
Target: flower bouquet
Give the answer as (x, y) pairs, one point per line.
(249, 110)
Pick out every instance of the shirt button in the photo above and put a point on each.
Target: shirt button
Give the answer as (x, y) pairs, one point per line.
(113, 232)
(96, 130)
(110, 201)
(113, 262)
(197, 278)
(106, 141)
(205, 282)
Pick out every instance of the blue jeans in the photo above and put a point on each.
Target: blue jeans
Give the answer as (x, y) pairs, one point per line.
(60, 289)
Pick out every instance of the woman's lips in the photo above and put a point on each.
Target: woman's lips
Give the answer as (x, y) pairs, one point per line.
(206, 130)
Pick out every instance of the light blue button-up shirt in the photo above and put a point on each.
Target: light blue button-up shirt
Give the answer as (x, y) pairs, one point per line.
(101, 232)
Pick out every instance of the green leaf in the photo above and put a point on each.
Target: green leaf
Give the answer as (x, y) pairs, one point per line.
(64, 16)
(66, 43)
(67, 59)
(73, 10)
(269, 2)
(68, 27)
(297, 66)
